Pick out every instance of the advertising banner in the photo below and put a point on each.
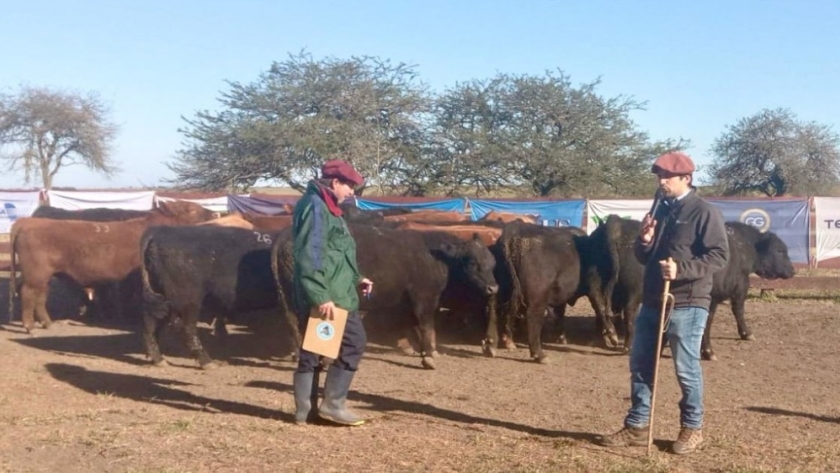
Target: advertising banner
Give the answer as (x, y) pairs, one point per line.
(788, 219)
(560, 213)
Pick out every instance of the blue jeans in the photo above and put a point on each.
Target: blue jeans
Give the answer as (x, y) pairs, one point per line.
(685, 333)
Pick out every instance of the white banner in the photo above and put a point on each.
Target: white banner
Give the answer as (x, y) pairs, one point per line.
(78, 200)
(213, 204)
(827, 217)
(598, 210)
(16, 205)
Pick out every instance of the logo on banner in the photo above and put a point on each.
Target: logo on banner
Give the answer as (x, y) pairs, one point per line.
(9, 211)
(599, 220)
(557, 222)
(757, 218)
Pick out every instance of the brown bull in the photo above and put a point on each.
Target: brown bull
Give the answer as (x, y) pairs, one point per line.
(487, 235)
(268, 223)
(428, 216)
(506, 217)
(233, 219)
(87, 252)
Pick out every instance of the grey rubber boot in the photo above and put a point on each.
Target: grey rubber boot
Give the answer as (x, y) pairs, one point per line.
(335, 395)
(306, 396)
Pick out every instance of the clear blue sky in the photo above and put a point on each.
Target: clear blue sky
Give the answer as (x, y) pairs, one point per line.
(700, 65)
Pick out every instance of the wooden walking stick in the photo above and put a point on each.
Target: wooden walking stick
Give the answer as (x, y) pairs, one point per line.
(663, 319)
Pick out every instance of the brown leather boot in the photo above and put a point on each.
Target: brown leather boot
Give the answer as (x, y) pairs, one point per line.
(687, 441)
(626, 437)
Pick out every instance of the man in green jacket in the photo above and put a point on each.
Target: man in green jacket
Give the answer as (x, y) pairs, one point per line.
(326, 276)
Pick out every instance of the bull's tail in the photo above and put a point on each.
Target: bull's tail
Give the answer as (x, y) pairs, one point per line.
(614, 240)
(511, 246)
(280, 251)
(150, 296)
(12, 270)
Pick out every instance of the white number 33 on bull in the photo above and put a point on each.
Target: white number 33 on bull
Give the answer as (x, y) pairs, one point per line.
(263, 237)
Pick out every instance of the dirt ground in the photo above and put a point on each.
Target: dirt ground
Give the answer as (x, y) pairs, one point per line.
(82, 398)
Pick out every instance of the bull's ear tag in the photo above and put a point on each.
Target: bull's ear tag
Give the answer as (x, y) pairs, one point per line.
(325, 331)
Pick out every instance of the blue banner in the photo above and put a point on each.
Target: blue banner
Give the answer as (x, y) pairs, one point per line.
(566, 213)
(788, 219)
(446, 205)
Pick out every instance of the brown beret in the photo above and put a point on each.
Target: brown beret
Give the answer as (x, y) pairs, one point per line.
(673, 163)
(337, 169)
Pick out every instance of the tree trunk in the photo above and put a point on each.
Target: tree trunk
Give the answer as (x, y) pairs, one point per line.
(46, 176)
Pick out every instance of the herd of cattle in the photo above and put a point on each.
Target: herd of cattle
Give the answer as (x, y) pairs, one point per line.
(183, 261)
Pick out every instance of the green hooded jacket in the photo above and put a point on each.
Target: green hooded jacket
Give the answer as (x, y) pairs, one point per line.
(325, 267)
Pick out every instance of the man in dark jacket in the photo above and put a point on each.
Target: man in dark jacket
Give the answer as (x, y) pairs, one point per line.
(326, 276)
(691, 232)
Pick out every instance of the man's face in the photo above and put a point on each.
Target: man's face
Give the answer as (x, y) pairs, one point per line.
(673, 185)
(342, 190)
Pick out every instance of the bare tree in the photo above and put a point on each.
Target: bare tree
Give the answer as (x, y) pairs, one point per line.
(775, 154)
(44, 130)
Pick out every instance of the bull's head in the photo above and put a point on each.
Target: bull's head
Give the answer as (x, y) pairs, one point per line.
(474, 262)
(186, 212)
(773, 261)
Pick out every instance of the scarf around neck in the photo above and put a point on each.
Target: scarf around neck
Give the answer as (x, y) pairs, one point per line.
(330, 199)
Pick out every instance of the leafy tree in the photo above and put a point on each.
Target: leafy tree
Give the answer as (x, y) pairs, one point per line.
(44, 130)
(775, 154)
(299, 114)
(543, 133)
(468, 138)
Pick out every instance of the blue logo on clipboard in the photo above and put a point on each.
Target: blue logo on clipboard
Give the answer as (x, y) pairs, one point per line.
(325, 331)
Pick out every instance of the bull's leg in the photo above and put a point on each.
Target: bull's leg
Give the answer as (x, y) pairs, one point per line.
(427, 336)
(189, 330)
(560, 323)
(706, 351)
(407, 344)
(117, 299)
(491, 339)
(28, 301)
(509, 324)
(220, 327)
(535, 317)
(426, 327)
(151, 337)
(603, 319)
(41, 309)
(738, 310)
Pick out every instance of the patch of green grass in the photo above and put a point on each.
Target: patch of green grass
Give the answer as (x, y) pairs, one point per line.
(177, 426)
(742, 469)
(794, 294)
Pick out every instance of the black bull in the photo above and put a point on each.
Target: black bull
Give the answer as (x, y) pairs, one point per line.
(414, 274)
(614, 269)
(225, 270)
(539, 268)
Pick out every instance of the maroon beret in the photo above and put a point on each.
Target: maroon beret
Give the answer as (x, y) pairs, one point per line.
(337, 169)
(673, 163)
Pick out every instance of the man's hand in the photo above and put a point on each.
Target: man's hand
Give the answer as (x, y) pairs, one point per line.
(326, 310)
(669, 269)
(648, 229)
(366, 285)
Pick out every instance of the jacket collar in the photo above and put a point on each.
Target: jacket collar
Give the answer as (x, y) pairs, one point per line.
(326, 194)
(680, 201)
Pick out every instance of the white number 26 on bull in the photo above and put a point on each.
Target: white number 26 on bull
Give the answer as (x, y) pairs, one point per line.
(263, 237)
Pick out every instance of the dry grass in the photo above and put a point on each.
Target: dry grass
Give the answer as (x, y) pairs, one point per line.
(76, 399)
